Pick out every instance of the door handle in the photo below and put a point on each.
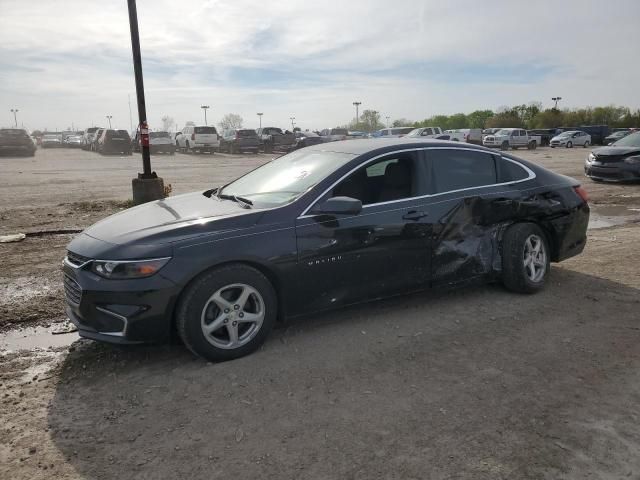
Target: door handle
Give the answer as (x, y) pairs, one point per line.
(414, 215)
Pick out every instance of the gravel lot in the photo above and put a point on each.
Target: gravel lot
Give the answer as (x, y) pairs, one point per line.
(476, 383)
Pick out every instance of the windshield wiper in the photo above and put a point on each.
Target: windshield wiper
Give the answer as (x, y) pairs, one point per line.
(244, 202)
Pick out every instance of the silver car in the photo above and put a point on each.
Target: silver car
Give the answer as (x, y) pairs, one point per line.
(571, 138)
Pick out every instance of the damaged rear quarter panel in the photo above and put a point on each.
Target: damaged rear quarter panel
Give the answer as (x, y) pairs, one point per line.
(467, 235)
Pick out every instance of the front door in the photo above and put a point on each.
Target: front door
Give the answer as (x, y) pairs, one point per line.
(382, 250)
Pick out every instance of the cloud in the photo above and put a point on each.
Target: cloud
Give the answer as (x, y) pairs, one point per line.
(70, 61)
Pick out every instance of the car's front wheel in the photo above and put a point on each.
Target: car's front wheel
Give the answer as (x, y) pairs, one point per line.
(525, 258)
(569, 145)
(227, 312)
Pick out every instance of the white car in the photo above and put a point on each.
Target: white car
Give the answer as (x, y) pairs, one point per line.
(394, 132)
(571, 138)
(514, 138)
(198, 138)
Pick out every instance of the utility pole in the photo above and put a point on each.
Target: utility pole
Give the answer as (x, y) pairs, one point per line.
(109, 117)
(260, 117)
(15, 117)
(556, 99)
(148, 186)
(205, 107)
(357, 105)
(292, 124)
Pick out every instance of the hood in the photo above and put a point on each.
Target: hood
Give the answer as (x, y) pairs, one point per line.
(615, 151)
(171, 220)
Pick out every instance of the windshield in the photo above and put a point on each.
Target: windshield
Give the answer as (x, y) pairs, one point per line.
(415, 132)
(246, 133)
(631, 140)
(286, 178)
(566, 134)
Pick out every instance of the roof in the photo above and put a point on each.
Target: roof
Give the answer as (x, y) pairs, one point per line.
(359, 147)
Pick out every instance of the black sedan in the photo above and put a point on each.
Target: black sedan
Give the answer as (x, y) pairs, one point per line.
(320, 227)
(307, 139)
(619, 162)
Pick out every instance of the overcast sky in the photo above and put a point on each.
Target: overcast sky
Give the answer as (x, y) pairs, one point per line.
(70, 61)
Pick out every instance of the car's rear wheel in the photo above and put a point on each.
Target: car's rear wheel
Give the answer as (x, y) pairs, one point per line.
(525, 258)
(586, 144)
(569, 145)
(227, 313)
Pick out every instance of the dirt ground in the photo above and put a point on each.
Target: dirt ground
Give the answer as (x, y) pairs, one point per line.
(475, 383)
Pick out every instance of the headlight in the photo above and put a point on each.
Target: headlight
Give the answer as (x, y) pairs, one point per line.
(124, 269)
(635, 160)
(591, 157)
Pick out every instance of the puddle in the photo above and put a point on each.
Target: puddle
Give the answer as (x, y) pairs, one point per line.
(603, 216)
(35, 338)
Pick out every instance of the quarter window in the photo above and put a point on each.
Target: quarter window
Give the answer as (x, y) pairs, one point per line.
(511, 171)
(455, 169)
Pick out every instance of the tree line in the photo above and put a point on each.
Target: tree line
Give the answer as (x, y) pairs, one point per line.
(533, 116)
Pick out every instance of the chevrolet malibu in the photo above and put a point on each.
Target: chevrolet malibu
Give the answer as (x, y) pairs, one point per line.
(324, 226)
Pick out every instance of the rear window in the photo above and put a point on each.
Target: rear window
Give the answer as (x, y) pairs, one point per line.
(12, 132)
(339, 131)
(159, 135)
(400, 131)
(117, 134)
(271, 131)
(457, 169)
(247, 133)
(92, 130)
(204, 130)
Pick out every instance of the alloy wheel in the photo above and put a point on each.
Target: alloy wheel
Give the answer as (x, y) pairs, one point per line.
(232, 316)
(534, 258)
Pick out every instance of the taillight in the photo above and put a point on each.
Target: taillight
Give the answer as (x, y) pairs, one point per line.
(193, 136)
(237, 136)
(582, 193)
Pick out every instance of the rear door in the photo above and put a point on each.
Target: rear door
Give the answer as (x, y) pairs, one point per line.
(383, 249)
(466, 212)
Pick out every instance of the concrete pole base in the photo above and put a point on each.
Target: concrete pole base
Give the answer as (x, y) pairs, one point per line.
(147, 189)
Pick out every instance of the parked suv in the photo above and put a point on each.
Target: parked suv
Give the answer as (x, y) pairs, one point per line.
(392, 132)
(88, 137)
(238, 141)
(198, 138)
(16, 140)
(159, 142)
(93, 146)
(114, 141)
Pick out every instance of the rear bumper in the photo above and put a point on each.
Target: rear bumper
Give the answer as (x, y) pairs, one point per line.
(571, 232)
(17, 149)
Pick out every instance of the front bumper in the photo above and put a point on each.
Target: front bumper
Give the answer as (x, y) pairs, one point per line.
(612, 172)
(119, 311)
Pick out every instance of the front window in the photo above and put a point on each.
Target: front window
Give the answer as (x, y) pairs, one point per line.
(286, 178)
(393, 177)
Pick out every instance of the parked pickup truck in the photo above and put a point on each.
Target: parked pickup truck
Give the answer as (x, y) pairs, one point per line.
(512, 137)
(273, 138)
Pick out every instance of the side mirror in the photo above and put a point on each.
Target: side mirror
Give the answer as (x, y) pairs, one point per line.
(340, 206)
(610, 143)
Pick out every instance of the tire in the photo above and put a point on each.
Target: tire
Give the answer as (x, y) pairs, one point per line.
(232, 149)
(522, 272)
(514, 147)
(187, 149)
(504, 146)
(534, 145)
(586, 144)
(198, 308)
(569, 145)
